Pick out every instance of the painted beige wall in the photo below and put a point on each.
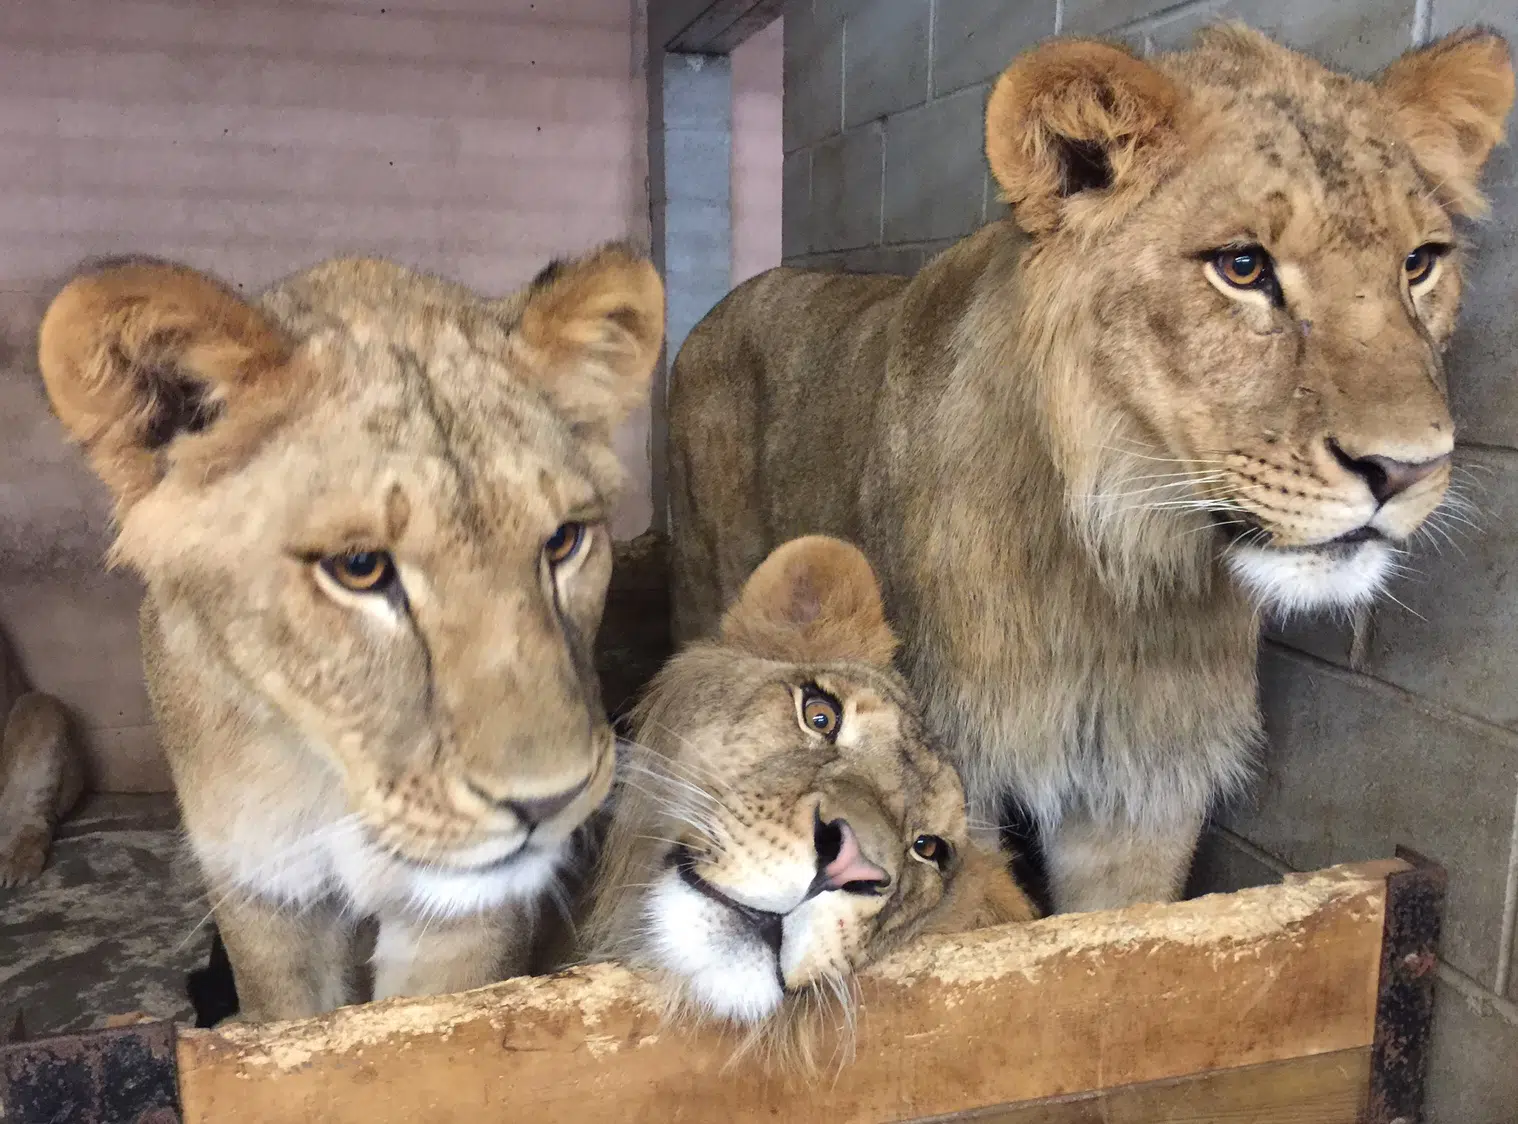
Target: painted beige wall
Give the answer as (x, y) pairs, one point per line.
(757, 152)
(477, 138)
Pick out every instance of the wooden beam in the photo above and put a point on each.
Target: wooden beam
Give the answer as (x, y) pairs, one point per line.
(1068, 1005)
(1320, 1089)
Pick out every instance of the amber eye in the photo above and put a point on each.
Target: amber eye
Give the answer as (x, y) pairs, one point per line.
(1245, 268)
(932, 849)
(1420, 263)
(820, 712)
(364, 571)
(564, 543)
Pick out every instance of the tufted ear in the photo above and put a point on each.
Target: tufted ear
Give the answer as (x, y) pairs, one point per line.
(1450, 102)
(813, 600)
(143, 357)
(1077, 118)
(590, 332)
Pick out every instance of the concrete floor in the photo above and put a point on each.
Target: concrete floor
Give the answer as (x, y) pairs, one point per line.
(111, 927)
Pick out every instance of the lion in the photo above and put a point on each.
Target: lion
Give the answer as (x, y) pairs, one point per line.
(41, 773)
(783, 819)
(370, 511)
(1195, 376)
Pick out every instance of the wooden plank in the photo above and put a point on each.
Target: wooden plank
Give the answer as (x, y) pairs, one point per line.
(1066, 1005)
(1320, 1089)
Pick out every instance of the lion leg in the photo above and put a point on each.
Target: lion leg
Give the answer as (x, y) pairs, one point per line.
(439, 957)
(1104, 864)
(287, 964)
(40, 781)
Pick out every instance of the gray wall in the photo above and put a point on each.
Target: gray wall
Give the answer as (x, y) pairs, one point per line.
(1413, 742)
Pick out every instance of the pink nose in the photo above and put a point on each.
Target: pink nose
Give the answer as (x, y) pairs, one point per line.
(849, 864)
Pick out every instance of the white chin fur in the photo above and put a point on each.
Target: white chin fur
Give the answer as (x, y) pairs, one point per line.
(338, 859)
(1296, 581)
(727, 971)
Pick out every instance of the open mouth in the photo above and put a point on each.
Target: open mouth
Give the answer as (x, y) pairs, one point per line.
(765, 925)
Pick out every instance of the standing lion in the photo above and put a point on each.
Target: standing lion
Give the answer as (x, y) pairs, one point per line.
(1198, 374)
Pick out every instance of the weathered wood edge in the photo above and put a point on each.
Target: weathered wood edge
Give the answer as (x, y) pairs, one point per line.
(959, 968)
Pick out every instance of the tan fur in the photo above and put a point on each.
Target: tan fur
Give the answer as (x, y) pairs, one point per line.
(723, 766)
(41, 773)
(341, 754)
(1079, 460)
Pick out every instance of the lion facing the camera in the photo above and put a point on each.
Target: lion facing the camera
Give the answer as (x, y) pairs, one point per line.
(1197, 374)
(370, 509)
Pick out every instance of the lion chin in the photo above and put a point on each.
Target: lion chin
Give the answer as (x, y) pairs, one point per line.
(1335, 576)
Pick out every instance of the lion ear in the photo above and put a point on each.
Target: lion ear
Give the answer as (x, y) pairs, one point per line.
(139, 354)
(1450, 102)
(813, 600)
(590, 332)
(1078, 118)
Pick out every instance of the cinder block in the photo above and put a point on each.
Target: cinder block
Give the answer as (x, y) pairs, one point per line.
(1483, 370)
(1353, 768)
(1473, 1065)
(813, 77)
(1459, 647)
(885, 59)
(973, 41)
(935, 169)
(1359, 37)
(1222, 866)
(1095, 17)
(1327, 637)
(698, 165)
(901, 260)
(845, 211)
(795, 203)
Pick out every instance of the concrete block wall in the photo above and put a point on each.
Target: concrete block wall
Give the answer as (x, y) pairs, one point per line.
(478, 138)
(1415, 740)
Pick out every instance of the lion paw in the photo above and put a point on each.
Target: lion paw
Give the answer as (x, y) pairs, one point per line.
(23, 856)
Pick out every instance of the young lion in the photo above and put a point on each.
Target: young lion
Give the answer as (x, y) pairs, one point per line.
(370, 511)
(1196, 374)
(784, 819)
(41, 773)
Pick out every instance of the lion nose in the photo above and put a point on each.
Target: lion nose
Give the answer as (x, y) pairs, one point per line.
(841, 863)
(539, 808)
(1385, 476)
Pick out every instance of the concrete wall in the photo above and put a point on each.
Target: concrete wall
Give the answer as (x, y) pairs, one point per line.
(1417, 743)
(478, 138)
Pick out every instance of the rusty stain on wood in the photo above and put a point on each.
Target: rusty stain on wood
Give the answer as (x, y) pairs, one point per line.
(118, 1076)
(1067, 1005)
(1405, 992)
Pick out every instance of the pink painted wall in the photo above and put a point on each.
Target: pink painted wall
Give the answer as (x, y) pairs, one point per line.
(477, 138)
(757, 153)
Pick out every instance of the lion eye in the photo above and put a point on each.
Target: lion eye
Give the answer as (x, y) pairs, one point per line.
(1246, 268)
(932, 849)
(564, 543)
(820, 712)
(1419, 264)
(364, 571)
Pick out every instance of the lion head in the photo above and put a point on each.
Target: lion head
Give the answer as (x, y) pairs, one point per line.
(784, 820)
(370, 509)
(1243, 274)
